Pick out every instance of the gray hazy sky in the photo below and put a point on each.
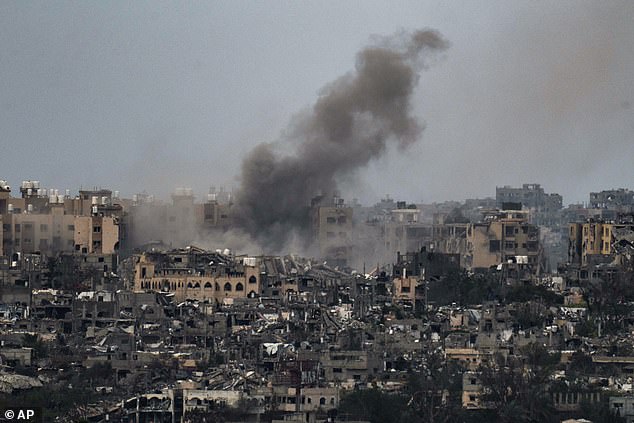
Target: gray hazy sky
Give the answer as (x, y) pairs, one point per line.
(152, 96)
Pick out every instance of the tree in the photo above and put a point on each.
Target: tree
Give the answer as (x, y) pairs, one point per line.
(435, 393)
(34, 341)
(375, 406)
(516, 392)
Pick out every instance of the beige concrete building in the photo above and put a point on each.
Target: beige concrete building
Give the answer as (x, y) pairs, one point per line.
(96, 234)
(332, 228)
(404, 290)
(45, 222)
(594, 238)
(46, 233)
(172, 274)
(503, 237)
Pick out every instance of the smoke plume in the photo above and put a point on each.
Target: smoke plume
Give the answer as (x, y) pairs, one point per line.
(352, 122)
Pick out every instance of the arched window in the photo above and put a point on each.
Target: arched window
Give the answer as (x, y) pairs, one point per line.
(239, 287)
(197, 285)
(252, 279)
(227, 286)
(252, 294)
(322, 401)
(189, 285)
(208, 285)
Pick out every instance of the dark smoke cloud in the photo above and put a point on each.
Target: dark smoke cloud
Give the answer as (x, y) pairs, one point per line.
(352, 122)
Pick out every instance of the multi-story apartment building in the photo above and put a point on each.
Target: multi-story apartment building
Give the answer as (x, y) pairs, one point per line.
(49, 223)
(332, 229)
(594, 241)
(504, 237)
(614, 198)
(531, 196)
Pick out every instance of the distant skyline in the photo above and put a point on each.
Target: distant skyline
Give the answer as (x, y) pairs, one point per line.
(151, 96)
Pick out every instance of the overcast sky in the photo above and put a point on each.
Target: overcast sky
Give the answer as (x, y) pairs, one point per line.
(136, 96)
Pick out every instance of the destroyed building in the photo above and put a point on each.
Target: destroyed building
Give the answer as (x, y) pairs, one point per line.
(196, 274)
(505, 238)
(332, 229)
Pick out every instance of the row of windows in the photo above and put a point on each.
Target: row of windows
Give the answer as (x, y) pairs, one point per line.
(27, 226)
(190, 285)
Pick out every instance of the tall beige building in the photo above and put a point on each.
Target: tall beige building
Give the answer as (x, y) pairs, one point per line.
(504, 237)
(332, 228)
(47, 222)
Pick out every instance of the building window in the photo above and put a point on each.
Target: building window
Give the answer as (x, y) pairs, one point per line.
(331, 220)
(17, 227)
(43, 227)
(96, 229)
(341, 220)
(227, 286)
(71, 227)
(252, 279)
(239, 287)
